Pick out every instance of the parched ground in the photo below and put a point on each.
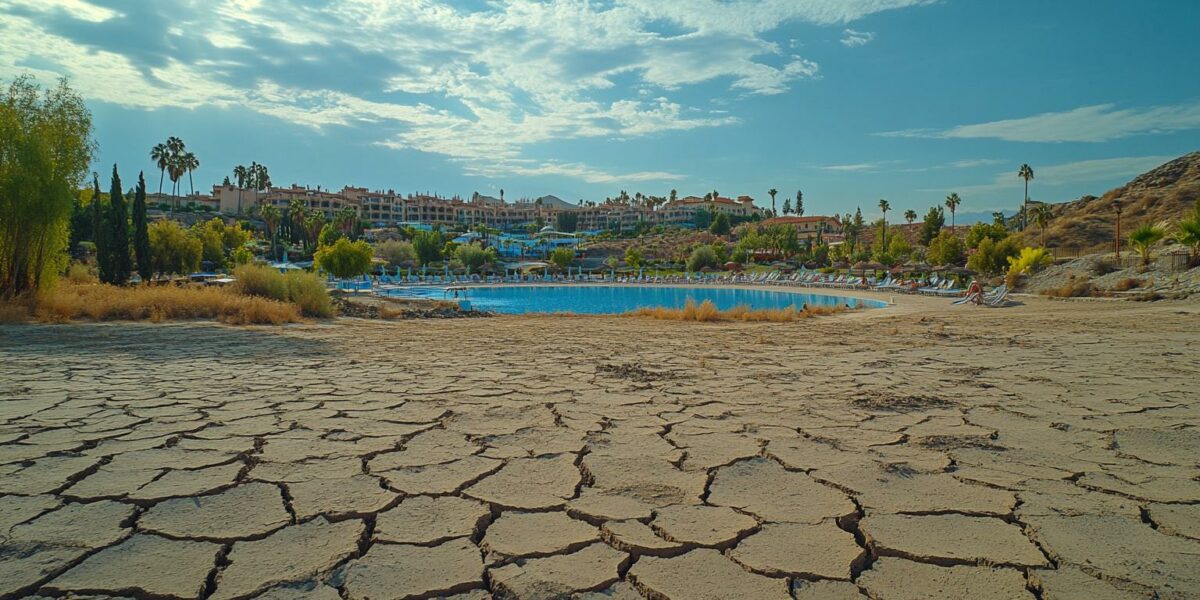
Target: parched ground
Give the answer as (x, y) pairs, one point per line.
(1049, 450)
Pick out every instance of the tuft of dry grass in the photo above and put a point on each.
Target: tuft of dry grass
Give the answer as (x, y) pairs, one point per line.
(707, 312)
(304, 289)
(69, 301)
(81, 274)
(1127, 284)
(1074, 288)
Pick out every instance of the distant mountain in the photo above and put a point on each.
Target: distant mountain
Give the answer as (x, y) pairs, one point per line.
(549, 201)
(1166, 192)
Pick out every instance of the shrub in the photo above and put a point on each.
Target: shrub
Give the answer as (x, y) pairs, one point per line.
(474, 256)
(260, 280)
(993, 257)
(345, 259)
(702, 256)
(156, 303)
(1029, 260)
(81, 274)
(308, 292)
(563, 258)
(1103, 266)
(428, 246)
(1144, 238)
(1127, 284)
(396, 253)
(1074, 288)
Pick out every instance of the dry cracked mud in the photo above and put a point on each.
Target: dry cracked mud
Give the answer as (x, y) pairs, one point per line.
(1050, 450)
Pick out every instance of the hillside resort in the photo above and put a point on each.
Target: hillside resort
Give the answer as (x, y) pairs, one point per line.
(570, 300)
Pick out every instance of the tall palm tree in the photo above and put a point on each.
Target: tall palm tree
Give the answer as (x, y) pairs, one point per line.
(1042, 214)
(1026, 173)
(952, 202)
(161, 155)
(262, 178)
(191, 163)
(884, 206)
(910, 215)
(772, 193)
(240, 173)
(175, 171)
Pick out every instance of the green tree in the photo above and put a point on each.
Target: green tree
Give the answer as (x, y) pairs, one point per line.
(945, 249)
(121, 267)
(269, 213)
(703, 256)
(329, 234)
(562, 258)
(173, 249)
(981, 231)
(952, 202)
(992, 256)
(161, 155)
(633, 257)
(1144, 238)
(45, 149)
(1026, 173)
(934, 220)
(345, 259)
(474, 256)
(771, 192)
(396, 253)
(799, 208)
(428, 246)
(141, 233)
(910, 215)
(720, 225)
(100, 230)
(787, 206)
(702, 219)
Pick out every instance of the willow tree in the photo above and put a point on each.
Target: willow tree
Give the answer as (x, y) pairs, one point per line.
(45, 149)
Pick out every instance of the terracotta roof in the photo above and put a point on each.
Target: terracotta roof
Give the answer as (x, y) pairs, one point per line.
(796, 220)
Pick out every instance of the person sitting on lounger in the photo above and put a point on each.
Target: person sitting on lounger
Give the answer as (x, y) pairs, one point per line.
(975, 292)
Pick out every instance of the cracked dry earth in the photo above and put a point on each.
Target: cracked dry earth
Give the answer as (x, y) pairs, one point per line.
(1043, 451)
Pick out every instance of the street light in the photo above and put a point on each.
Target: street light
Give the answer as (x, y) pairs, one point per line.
(1117, 241)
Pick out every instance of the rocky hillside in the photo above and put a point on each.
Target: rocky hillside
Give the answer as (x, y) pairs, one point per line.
(1164, 193)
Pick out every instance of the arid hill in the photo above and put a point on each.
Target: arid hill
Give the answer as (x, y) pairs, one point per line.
(1164, 193)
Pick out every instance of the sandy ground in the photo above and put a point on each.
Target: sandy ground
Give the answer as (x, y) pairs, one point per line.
(1046, 450)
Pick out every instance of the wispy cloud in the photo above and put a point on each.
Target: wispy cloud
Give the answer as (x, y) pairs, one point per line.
(479, 86)
(1084, 171)
(854, 39)
(855, 167)
(1098, 123)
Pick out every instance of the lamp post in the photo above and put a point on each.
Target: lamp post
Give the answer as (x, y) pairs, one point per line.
(1117, 241)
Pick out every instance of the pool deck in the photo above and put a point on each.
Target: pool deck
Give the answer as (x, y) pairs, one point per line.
(1047, 448)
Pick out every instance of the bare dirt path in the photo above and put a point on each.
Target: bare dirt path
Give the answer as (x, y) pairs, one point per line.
(924, 451)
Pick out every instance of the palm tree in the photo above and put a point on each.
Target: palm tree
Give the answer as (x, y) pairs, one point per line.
(1042, 214)
(952, 202)
(1187, 232)
(240, 173)
(910, 215)
(884, 206)
(1026, 173)
(189, 161)
(772, 193)
(175, 171)
(161, 156)
(270, 217)
(1143, 239)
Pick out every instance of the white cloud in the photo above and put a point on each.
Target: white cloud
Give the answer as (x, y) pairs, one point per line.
(854, 39)
(1098, 123)
(480, 87)
(851, 167)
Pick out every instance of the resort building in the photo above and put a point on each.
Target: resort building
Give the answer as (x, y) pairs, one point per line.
(387, 208)
(808, 227)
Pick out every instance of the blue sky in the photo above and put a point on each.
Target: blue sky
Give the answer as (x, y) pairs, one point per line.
(849, 100)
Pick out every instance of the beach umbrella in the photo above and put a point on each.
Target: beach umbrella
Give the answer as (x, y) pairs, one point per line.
(939, 268)
(841, 264)
(960, 271)
(733, 266)
(875, 266)
(861, 265)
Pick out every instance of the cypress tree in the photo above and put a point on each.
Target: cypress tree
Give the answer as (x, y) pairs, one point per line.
(118, 221)
(100, 233)
(141, 233)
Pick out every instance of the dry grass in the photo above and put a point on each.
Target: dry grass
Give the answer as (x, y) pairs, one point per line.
(707, 312)
(81, 274)
(1127, 284)
(69, 301)
(304, 289)
(16, 311)
(1074, 288)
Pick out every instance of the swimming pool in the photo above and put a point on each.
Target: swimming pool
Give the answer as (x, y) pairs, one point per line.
(611, 299)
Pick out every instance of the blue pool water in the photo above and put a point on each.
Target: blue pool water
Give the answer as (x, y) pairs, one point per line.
(602, 299)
